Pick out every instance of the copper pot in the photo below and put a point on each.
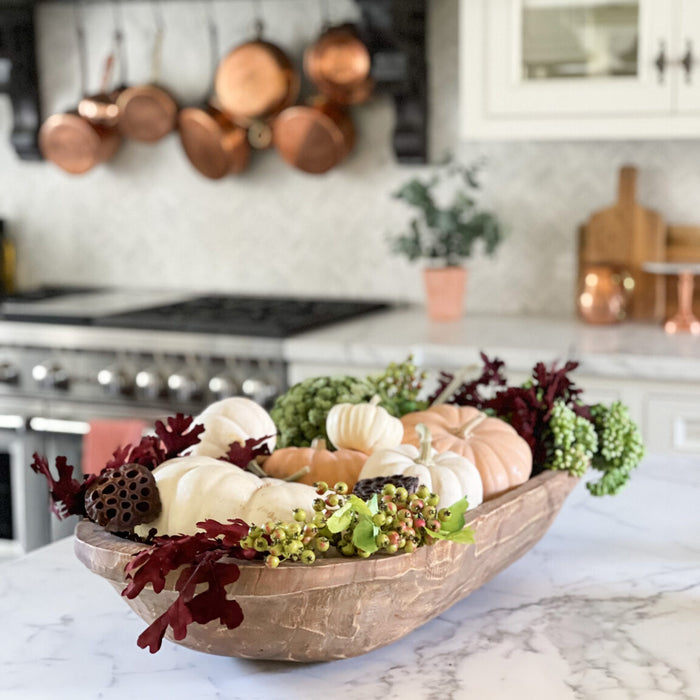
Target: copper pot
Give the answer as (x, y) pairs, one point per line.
(75, 144)
(215, 145)
(79, 140)
(146, 112)
(339, 64)
(255, 80)
(314, 137)
(102, 108)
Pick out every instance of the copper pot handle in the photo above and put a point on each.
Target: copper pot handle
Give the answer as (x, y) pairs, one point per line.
(157, 50)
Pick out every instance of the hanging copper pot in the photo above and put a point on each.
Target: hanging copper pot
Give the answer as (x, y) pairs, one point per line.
(148, 112)
(101, 108)
(314, 137)
(75, 142)
(256, 80)
(214, 145)
(338, 63)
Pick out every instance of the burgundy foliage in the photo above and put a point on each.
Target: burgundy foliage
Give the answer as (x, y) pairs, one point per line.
(527, 408)
(242, 455)
(199, 555)
(172, 439)
(67, 493)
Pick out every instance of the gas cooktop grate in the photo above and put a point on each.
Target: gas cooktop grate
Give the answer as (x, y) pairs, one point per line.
(253, 316)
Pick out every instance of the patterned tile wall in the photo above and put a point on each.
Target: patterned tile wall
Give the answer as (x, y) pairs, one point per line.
(149, 219)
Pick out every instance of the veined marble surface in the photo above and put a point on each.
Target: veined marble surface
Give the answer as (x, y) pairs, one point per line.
(627, 350)
(606, 606)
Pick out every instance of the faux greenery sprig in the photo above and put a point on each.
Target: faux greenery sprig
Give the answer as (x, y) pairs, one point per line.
(446, 232)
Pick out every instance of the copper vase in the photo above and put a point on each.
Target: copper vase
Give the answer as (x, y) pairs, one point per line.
(603, 294)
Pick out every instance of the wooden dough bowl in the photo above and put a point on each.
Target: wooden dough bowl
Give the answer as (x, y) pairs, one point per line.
(338, 608)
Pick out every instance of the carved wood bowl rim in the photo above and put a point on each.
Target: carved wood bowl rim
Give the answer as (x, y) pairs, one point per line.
(512, 523)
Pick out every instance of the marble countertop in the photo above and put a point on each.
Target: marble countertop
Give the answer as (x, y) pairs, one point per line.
(634, 350)
(605, 606)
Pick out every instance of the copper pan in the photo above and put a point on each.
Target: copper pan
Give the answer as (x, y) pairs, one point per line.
(213, 143)
(102, 108)
(314, 137)
(338, 63)
(71, 141)
(215, 146)
(148, 112)
(256, 80)
(75, 144)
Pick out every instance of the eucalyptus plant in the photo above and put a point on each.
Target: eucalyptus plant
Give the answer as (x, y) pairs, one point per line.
(447, 233)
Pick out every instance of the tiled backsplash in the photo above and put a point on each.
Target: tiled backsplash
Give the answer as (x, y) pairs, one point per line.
(149, 219)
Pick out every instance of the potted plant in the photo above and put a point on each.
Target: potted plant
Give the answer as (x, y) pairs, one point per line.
(445, 235)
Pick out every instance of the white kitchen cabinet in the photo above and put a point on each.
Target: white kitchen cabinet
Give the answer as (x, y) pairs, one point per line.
(579, 68)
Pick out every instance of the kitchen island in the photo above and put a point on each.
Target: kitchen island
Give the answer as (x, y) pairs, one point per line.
(605, 606)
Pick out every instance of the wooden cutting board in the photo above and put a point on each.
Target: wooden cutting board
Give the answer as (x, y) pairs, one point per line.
(627, 234)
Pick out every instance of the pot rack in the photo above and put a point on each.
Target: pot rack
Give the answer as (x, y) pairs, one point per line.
(393, 30)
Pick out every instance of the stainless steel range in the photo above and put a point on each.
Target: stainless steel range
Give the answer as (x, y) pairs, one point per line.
(72, 356)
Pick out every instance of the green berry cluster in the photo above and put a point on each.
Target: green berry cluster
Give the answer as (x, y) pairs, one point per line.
(278, 542)
(399, 386)
(573, 441)
(395, 521)
(620, 447)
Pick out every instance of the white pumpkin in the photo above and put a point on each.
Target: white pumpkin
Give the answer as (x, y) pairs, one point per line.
(447, 474)
(230, 420)
(366, 427)
(194, 488)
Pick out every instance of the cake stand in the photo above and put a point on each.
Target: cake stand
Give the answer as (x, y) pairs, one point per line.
(683, 321)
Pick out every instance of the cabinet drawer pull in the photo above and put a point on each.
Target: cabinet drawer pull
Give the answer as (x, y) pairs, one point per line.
(661, 61)
(688, 61)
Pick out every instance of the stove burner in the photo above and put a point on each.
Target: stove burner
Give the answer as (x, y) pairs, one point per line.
(267, 317)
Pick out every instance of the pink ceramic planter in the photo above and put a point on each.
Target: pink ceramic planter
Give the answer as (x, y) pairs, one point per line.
(444, 290)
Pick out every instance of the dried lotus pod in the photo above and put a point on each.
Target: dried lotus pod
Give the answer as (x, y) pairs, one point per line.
(365, 488)
(122, 498)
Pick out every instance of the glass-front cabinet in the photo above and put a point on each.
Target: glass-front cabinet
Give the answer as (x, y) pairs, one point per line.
(579, 68)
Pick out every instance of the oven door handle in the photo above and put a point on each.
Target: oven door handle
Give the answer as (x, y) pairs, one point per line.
(12, 421)
(41, 424)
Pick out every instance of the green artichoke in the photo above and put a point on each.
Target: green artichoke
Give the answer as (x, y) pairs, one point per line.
(300, 414)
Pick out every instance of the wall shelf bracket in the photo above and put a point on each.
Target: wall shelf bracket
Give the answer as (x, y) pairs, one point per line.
(395, 32)
(18, 76)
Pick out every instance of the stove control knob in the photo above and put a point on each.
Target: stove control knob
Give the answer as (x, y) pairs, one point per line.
(149, 383)
(50, 375)
(184, 385)
(222, 386)
(259, 389)
(115, 380)
(9, 374)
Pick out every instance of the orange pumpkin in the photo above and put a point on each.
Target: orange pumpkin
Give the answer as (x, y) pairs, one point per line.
(324, 465)
(502, 457)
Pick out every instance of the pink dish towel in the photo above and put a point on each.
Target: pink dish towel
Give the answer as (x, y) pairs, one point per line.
(104, 437)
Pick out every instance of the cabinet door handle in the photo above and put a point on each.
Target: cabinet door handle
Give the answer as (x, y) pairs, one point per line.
(661, 61)
(688, 61)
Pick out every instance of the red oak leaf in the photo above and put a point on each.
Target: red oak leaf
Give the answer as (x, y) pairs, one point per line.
(230, 534)
(67, 493)
(178, 434)
(242, 455)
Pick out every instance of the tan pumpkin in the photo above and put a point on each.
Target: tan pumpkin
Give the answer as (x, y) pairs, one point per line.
(324, 465)
(502, 457)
